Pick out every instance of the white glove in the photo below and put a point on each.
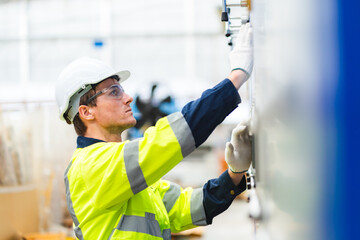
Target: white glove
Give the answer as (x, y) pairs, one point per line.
(238, 152)
(241, 57)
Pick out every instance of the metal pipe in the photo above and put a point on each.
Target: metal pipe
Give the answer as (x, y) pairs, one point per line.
(224, 14)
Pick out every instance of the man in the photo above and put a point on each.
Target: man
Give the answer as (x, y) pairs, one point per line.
(114, 188)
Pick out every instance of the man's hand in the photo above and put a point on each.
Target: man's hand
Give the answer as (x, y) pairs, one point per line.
(238, 152)
(241, 57)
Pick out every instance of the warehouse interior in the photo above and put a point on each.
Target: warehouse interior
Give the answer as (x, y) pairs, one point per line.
(298, 99)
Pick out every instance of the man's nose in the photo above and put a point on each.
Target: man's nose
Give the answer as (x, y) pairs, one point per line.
(127, 98)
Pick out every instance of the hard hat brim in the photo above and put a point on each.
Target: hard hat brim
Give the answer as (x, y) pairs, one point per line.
(123, 75)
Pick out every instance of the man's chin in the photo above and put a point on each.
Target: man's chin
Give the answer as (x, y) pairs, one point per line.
(127, 124)
(132, 123)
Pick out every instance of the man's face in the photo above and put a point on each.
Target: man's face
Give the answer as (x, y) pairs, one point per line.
(113, 114)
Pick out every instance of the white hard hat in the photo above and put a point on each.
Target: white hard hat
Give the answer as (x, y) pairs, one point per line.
(76, 79)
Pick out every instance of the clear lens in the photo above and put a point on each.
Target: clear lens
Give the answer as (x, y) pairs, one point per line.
(114, 91)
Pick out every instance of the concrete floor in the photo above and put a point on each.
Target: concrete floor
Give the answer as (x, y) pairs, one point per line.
(233, 224)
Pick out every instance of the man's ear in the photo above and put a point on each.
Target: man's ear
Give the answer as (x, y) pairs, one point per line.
(85, 112)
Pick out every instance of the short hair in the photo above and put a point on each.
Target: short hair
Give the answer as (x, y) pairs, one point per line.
(79, 126)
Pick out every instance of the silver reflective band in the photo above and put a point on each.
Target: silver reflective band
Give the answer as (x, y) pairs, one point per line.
(197, 208)
(170, 197)
(69, 203)
(138, 224)
(182, 132)
(134, 173)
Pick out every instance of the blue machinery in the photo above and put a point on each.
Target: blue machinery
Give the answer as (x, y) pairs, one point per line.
(305, 117)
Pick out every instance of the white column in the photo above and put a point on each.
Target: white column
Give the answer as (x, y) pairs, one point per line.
(24, 46)
(189, 55)
(106, 31)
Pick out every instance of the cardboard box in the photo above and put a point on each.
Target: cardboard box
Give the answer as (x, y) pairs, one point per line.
(46, 236)
(19, 211)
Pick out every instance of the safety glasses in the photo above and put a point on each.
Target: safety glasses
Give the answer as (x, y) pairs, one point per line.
(113, 92)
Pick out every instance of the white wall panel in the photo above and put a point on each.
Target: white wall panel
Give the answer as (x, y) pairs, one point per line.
(9, 63)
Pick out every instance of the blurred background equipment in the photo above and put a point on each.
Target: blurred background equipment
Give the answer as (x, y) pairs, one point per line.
(152, 109)
(147, 110)
(31, 196)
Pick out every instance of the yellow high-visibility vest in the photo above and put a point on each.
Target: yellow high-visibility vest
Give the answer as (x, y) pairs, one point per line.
(114, 190)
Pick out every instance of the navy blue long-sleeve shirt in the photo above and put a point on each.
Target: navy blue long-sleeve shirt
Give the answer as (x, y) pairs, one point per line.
(203, 115)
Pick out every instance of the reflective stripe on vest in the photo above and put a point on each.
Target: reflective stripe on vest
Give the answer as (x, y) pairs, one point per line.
(133, 170)
(77, 230)
(170, 197)
(197, 208)
(131, 151)
(182, 132)
(148, 225)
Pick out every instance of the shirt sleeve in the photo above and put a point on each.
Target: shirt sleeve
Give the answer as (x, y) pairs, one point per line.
(219, 194)
(205, 113)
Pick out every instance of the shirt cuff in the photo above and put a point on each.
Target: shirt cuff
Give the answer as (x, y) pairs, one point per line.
(219, 194)
(229, 188)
